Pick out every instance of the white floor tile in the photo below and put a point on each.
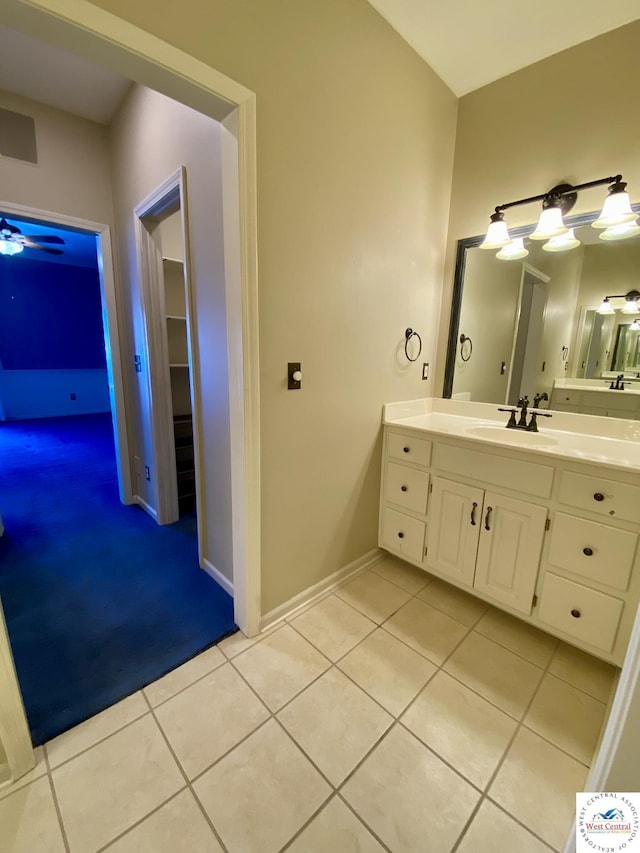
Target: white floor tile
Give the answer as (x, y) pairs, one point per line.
(96, 728)
(374, 596)
(111, 786)
(333, 626)
(38, 771)
(335, 830)
(178, 825)
(567, 717)
(388, 670)
(335, 723)
(454, 602)
(505, 679)
(537, 784)
(411, 800)
(209, 718)
(170, 684)
(430, 632)
(468, 732)
(280, 666)
(28, 821)
(518, 636)
(492, 831)
(239, 642)
(408, 577)
(260, 794)
(585, 672)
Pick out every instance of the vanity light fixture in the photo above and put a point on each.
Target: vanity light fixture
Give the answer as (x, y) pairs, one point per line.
(635, 326)
(513, 251)
(9, 247)
(562, 243)
(630, 304)
(617, 218)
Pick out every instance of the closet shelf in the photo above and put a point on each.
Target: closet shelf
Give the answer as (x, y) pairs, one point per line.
(178, 364)
(180, 317)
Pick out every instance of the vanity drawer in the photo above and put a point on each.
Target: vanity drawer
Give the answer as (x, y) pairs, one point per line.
(408, 448)
(614, 400)
(595, 551)
(404, 534)
(563, 397)
(407, 487)
(496, 470)
(581, 612)
(606, 497)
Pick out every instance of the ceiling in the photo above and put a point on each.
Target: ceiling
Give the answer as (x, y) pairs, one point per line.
(79, 247)
(470, 43)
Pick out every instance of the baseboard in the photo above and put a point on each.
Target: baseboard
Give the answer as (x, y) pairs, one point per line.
(145, 506)
(308, 596)
(217, 575)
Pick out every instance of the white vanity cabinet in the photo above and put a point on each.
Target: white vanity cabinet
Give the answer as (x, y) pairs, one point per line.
(552, 541)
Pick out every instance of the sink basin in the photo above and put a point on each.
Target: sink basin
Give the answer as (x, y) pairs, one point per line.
(512, 436)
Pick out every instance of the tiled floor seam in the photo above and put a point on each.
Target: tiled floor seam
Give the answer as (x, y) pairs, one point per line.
(348, 805)
(182, 689)
(133, 826)
(56, 804)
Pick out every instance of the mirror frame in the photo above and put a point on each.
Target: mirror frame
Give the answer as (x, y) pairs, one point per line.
(458, 285)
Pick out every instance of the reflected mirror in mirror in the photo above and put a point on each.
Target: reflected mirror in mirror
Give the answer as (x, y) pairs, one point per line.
(518, 325)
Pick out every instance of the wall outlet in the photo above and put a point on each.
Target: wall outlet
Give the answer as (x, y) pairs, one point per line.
(147, 473)
(425, 370)
(72, 396)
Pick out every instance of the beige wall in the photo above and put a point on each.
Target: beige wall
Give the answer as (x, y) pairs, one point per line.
(570, 117)
(355, 148)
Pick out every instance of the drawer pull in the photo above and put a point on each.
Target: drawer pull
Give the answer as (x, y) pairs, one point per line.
(598, 497)
(400, 535)
(405, 449)
(587, 552)
(403, 488)
(473, 513)
(486, 518)
(576, 614)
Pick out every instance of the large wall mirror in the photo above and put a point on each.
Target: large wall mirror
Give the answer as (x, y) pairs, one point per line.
(519, 325)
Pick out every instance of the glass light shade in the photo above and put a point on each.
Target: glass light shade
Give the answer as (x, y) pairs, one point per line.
(497, 234)
(10, 247)
(549, 225)
(562, 243)
(616, 210)
(630, 307)
(513, 250)
(635, 326)
(621, 232)
(606, 307)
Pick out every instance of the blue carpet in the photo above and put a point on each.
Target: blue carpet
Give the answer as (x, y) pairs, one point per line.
(99, 599)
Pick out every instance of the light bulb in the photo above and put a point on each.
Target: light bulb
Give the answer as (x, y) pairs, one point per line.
(616, 209)
(513, 251)
(549, 225)
(630, 307)
(606, 307)
(620, 232)
(10, 247)
(562, 243)
(497, 233)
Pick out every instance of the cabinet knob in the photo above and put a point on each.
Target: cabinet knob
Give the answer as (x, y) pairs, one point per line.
(405, 449)
(400, 535)
(587, 552)
(403, 488)
(598, 497)
(576, 613)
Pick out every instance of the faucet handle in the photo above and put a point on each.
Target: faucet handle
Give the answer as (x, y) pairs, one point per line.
(511, 424)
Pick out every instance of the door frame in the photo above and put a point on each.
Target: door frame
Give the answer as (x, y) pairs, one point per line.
(82, 28)
(111, 330)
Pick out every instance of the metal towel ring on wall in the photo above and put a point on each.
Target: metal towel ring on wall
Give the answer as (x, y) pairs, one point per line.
(409, 333)
(465, 340)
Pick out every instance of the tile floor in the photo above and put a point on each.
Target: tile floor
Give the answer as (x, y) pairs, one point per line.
(396, 713)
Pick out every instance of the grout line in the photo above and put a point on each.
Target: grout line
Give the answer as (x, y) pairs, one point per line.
(520, 823)
(186, 687)
(54, 794)
(348, 805)
(140, 821)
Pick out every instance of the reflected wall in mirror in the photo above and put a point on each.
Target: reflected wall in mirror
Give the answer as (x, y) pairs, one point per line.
(532, 321)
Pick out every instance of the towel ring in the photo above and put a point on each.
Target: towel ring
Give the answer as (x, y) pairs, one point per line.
(465, 340)
(409, 333)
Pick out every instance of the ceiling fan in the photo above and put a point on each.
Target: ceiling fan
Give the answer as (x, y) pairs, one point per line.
(12, 240)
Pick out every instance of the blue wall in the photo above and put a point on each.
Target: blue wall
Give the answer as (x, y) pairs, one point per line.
(50, 316)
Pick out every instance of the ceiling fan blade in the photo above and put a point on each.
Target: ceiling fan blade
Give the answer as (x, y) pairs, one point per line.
(29, 245)
(6, 228)
(45, 238)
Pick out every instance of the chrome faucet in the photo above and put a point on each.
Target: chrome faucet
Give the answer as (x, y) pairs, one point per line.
(523, 405)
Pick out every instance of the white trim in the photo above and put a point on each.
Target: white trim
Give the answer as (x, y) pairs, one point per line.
(145, 506)
(218, 577)
(312, 593)
(15, 739)
(81, 27)
(110, 325)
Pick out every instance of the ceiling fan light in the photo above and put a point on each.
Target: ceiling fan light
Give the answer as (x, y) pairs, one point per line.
(606, 307)
(513, 251)
(562, 243)
(549, 225)
(497, 233)
(10, 247)
(616, 209)
(620, 232)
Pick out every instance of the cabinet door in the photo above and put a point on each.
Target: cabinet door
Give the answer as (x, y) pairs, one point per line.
(454, 526)
(511, 535)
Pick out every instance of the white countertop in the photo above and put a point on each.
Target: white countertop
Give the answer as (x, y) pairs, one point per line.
(612, 442)
(600, 386)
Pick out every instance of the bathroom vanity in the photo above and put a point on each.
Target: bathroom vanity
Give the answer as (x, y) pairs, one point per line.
(542, 525)
(595, 397)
